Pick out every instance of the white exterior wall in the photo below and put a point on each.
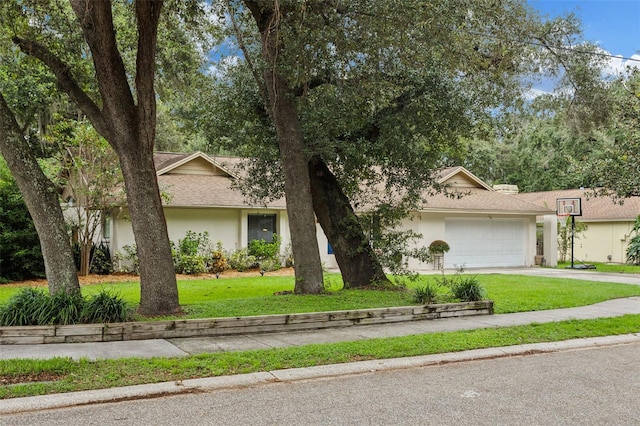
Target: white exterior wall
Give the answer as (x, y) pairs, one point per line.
(432, 227)
(230, 227)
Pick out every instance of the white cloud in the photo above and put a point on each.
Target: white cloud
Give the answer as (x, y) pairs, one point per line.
(618, 65)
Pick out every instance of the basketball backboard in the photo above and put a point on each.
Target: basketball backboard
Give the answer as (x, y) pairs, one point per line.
(569, 206)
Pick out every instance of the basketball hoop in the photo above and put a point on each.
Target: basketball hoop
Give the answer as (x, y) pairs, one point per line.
(562, 219)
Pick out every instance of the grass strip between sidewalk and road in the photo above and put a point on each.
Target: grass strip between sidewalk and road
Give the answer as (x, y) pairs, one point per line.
(20, 378)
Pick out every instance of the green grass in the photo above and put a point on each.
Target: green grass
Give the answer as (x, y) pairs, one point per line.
(255, 295)
(66, 375)
(607, 267)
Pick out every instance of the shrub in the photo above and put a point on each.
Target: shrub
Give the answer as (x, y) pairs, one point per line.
(464, 288)
(128, 261)
(241, 260)
(104, 307)
(270, 265)
(263, 250)
(194, 244)
(20, 253)
(438, 247)
(218, 260)
(31, 306)
(190, 264)
(467, 289)
(101, 260)
(633, 249)
(24, 307)
(192, 253)
(425, 295)
(64, 308)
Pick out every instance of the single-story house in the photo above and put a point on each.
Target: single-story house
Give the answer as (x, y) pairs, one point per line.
(484, 227)
(609, 223)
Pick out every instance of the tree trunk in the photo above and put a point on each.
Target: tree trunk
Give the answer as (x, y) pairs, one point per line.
(358, 263)
(283, 110)
(85, 258)
(158, 289)
(41, 198)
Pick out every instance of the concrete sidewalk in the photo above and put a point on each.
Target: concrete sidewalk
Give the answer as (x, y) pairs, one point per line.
(187, 346)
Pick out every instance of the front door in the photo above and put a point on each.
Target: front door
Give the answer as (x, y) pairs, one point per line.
(261, 227)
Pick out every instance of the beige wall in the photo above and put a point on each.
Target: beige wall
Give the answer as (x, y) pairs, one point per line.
(226, 225)
(602, 239)
(230, 227)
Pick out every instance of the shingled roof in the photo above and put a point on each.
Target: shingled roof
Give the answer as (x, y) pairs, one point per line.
(207, 185)
(593, 208)
(210, 185)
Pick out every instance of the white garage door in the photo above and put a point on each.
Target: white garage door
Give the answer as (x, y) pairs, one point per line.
(477, 243)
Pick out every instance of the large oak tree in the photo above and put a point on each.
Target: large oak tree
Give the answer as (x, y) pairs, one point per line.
(378, 110)
(126, 117)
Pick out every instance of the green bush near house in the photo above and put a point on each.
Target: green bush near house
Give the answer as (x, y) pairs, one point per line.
(267, 254)
(241, 260)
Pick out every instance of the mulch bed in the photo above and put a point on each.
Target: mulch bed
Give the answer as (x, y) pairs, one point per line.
(118, 278)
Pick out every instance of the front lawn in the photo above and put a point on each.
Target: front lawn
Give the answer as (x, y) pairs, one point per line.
(255, 295)
(620, 268)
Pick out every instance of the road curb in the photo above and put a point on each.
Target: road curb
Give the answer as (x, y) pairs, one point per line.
(45, 402)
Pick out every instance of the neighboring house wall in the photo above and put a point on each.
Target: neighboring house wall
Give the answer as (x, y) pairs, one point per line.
(601, 240)
(609, 224)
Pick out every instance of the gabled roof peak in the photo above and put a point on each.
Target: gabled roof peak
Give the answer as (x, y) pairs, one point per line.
(173, 161)
(449, 174)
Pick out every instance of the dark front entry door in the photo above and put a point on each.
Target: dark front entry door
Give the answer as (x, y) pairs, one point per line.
(262, 227)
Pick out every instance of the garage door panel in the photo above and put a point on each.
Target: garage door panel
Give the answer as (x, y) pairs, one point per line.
(485, 242)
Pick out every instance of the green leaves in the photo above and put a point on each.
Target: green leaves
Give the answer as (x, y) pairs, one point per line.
(33, 306)
(20, 255)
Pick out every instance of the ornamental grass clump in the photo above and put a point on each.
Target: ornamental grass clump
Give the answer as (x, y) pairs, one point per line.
(105, 307)
(425, 295)
(463, 288)
(32, 306)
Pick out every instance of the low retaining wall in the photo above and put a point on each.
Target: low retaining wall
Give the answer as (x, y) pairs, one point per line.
(234, 325)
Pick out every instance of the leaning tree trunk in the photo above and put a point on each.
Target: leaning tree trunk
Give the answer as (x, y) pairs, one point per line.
(294, 159)
(358, 263)
(41, 198)
(302, 224)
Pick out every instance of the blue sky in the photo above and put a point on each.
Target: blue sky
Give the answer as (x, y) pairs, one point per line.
(614, 25)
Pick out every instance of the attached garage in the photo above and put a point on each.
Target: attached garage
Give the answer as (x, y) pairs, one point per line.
(484, 242)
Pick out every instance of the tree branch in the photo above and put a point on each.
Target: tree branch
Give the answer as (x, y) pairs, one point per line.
(148, 14)
(65, 80)
(96, 22)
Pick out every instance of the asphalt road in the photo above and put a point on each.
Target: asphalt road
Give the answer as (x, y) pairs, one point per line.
(596, 386)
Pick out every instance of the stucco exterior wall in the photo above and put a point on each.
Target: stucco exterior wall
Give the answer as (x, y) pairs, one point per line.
(432, 226)
(228, 226)
(602, 239)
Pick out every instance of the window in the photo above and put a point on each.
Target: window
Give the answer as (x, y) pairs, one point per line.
(261, 227)
(106, 227)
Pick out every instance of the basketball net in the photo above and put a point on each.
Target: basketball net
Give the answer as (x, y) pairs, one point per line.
(562, 219)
